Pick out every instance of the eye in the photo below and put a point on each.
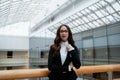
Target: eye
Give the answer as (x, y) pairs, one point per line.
(61, 31)
(65, 31)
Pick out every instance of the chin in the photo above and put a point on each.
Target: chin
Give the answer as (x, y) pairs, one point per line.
(64, 39)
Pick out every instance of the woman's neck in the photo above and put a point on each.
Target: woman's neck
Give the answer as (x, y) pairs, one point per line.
(64, 42)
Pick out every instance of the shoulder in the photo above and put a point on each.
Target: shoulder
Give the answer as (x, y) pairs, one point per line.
(75, 46)
(52, 46)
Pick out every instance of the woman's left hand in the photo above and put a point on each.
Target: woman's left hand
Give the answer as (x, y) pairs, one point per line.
(69, 47)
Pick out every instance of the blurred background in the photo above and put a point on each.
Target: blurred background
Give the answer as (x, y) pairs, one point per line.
(28, 28)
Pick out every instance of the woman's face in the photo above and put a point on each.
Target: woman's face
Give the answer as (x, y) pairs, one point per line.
(64, 33)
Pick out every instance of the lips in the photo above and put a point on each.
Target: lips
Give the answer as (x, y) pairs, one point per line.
(63, 36)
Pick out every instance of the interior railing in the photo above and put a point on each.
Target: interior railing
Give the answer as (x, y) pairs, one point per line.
(35, 73)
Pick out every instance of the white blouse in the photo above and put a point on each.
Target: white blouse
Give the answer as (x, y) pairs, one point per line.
(63, 52)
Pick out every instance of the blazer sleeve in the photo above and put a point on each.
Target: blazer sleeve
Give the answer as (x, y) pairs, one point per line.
(53, 67)
(75, 57)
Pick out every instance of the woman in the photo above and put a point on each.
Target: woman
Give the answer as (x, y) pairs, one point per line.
(63, 56)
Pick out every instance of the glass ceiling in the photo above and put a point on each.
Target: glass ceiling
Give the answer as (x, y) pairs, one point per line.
(24, 11)
(101, 13)
(18, 16)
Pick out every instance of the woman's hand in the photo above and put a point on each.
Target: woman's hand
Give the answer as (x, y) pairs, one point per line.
(69, 47)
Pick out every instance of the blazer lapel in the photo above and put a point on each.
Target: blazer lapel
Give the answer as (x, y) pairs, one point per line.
(66, 60)
(59, 57)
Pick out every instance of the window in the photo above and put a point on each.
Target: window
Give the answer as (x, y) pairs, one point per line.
(9, 68)
(9, 54)
(42, 54)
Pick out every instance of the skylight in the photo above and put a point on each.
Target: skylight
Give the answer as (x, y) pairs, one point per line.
(23, 11)
(103, 12)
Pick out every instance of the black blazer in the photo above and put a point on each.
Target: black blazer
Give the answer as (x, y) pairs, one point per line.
(59, 71)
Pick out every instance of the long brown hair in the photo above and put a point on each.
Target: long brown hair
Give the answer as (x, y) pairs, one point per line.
(56, 46)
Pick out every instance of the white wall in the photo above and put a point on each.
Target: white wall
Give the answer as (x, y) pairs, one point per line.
(16, 54)
(3, 54)
(14, 43)
(20, 54)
